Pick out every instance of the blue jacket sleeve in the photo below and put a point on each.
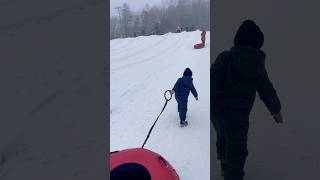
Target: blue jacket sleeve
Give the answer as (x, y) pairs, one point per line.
(193, 90)
(175, 87)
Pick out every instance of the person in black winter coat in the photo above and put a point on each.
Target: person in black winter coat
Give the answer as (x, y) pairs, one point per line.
(236, 76)
(182, 89)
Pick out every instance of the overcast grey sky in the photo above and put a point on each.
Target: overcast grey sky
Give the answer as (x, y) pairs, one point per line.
(135, 5)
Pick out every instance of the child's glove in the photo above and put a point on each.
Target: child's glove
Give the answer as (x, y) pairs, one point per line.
(197, 98)
(171, 92)
(277, 117)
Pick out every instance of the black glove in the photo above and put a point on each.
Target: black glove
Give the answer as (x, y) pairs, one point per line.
(277, 117)
(197, 98)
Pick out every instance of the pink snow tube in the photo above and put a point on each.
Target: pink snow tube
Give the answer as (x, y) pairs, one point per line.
(198, 46)
(140, 164)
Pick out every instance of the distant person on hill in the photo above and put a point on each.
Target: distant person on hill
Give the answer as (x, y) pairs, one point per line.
(235, 77)
(182, 89)
(203, 37)
(157, 30)
(178, 30)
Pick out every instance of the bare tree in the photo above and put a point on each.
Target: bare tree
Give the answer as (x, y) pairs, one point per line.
(126, 19)
(114, 27)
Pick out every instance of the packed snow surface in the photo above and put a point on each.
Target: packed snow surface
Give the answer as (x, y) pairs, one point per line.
(141, 70)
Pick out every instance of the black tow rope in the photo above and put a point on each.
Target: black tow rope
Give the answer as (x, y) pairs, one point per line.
(165, 104)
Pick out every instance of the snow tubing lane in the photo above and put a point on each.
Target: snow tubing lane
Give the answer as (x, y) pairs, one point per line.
(140, 164)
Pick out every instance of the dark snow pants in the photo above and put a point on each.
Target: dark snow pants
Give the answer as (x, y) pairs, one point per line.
(182, 106)
(232, 133)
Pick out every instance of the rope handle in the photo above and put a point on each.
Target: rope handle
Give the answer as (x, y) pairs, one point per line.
(165, 95)
(165, 104)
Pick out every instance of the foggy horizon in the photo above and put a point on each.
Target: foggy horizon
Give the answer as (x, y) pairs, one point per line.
(135, 6)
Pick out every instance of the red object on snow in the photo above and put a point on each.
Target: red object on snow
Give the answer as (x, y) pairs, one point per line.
(157, 167)
(198, 46)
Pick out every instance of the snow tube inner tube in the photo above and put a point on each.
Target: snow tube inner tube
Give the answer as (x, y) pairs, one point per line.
(130, 171)
(140, 164)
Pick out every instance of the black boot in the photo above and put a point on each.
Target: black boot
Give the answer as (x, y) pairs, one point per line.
(183, 123)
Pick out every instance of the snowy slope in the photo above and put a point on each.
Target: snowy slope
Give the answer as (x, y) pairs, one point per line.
(142, 68)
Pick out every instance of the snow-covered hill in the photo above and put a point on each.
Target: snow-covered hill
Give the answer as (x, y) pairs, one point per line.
(141, 70)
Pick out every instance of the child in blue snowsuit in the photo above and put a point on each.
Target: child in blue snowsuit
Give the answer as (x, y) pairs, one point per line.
(182, 88)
